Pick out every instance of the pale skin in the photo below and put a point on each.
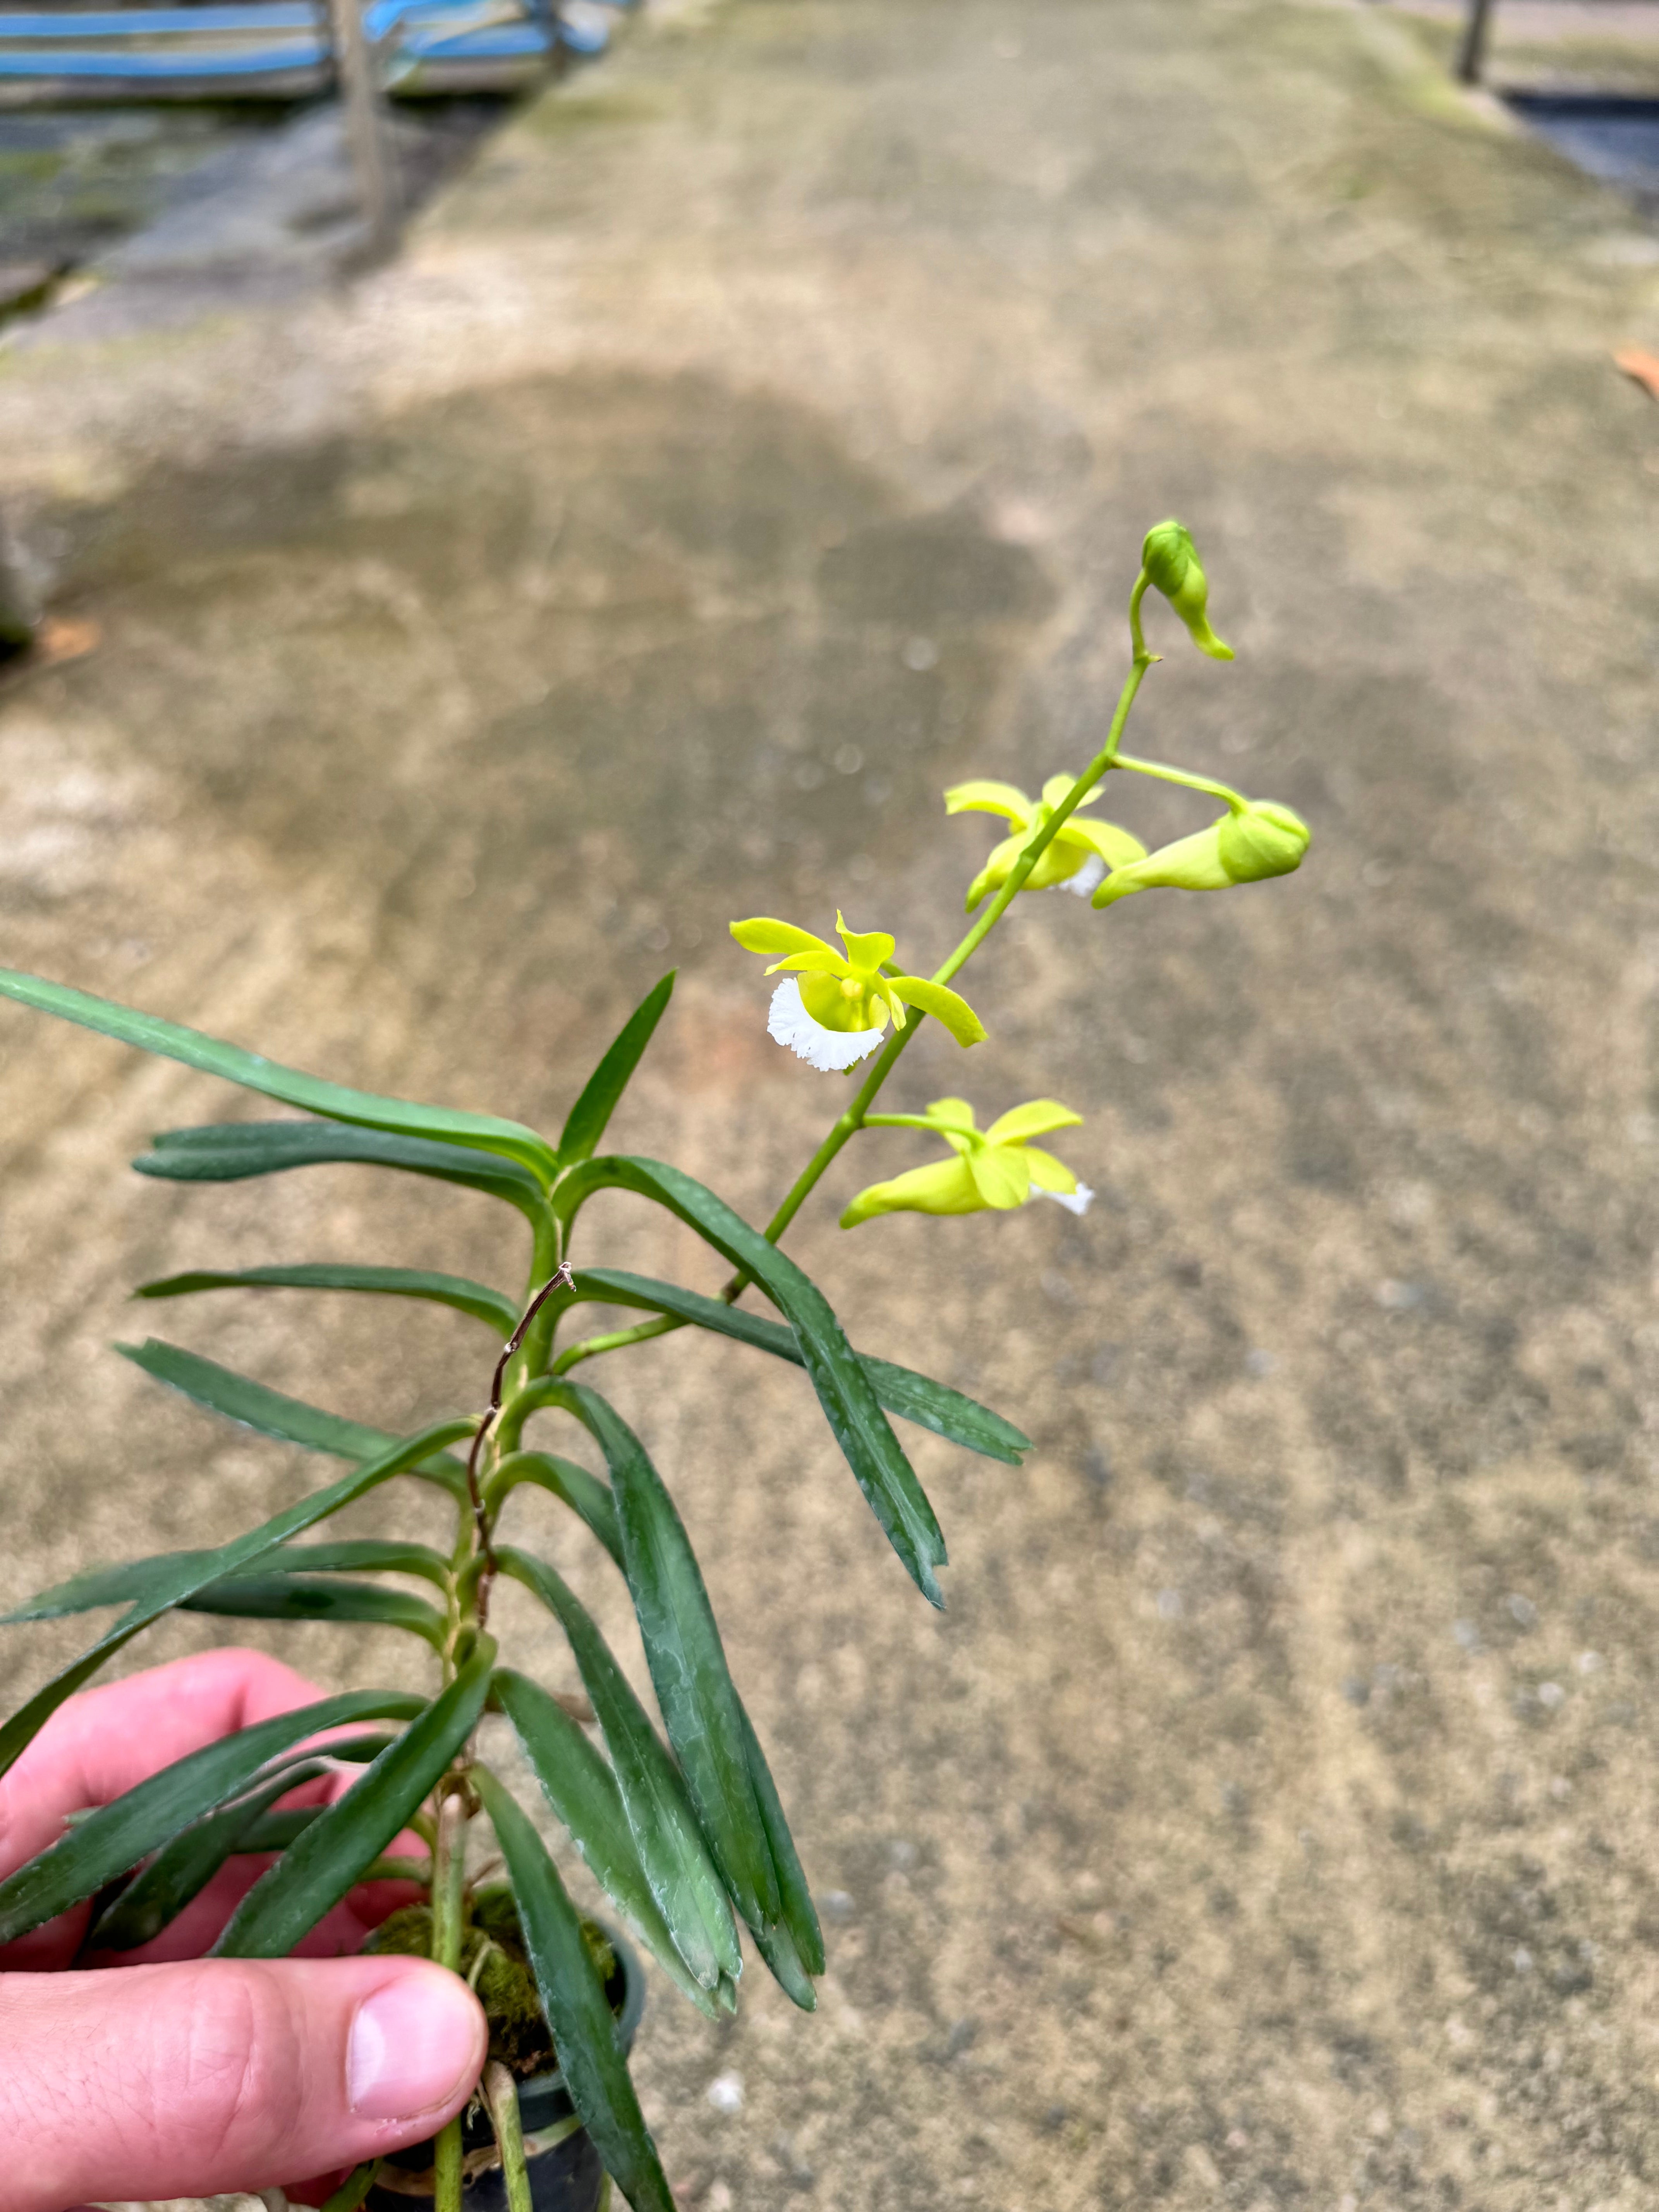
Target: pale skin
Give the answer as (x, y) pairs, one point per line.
(164, 2074)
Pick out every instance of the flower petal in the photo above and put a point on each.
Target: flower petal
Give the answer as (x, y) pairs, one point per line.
(957, 1016)
(950, 1113)
(1002, 1174)
(983, 798)
(992, 875)
(1035, 1119)
(945, 1186)
(1084, 883)
(826, 961)
(791, 1024)
(868, 950)
(762, 934)
(1115, 846)
(1047, 1173)
(1077, 1201)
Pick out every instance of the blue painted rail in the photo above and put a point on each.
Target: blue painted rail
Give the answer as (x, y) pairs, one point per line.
(266, 49)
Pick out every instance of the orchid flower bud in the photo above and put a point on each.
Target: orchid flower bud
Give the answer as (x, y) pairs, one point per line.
(1257, 838)
(1171, 564)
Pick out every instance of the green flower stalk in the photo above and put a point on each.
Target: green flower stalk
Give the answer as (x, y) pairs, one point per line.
(1082, 851)
(1170, 561)
(997, 1167)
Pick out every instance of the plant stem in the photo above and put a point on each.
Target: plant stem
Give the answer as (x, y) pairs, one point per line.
(448, 1883)
(502, 2095)
(353, 2190)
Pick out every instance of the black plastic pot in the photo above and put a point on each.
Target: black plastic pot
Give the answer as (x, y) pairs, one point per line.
(565, 2172)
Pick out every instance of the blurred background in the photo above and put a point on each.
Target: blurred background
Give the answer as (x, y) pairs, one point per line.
(434, 615)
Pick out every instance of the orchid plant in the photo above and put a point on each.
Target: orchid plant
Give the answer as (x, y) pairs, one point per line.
(686, 1837)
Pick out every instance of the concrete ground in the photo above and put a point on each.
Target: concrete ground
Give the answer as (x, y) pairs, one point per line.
(758, 441)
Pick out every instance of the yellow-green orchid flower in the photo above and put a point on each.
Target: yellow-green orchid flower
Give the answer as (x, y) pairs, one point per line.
(997, 1167)
(1254, 839)
(1171, 562)
(838, 1013)
(1077, 858)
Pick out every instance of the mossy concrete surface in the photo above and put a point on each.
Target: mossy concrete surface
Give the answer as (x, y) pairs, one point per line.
(758, 441)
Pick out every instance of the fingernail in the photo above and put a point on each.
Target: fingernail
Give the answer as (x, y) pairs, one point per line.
(415, 2045)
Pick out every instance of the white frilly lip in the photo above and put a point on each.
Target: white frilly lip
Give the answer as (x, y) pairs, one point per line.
(1076, 1201)
(829, 1049)
(1085, 883)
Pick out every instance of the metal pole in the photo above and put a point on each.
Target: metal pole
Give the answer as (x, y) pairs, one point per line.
(366, 124)
(1472, 54)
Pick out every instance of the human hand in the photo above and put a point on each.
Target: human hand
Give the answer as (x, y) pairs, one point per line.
(167, 2074)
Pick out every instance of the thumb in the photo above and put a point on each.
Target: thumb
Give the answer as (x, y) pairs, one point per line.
(224, 2074)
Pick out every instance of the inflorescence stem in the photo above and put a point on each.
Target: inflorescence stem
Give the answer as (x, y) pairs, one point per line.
(853, 1116)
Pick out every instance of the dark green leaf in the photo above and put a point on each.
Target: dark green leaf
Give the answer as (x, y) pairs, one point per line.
(582, 1790)
(673, 1851)
(682, 1649)
(150, 1033)
(318, 1597)
(885, 1476)
(368, 1555)
(585, 1124)
(183, 1867)
(578, 2011)
(276, 1831)
(583, 1492)
(288, 1420)
(800, 1916)
(476, 1299)
(901, 1390)
(171, 1580)
(231, 1151)
(122, 1585)
(111, 1841)
(308, 1880)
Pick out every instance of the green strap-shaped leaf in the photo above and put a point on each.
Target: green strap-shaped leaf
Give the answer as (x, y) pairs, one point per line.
(578, 2011)
(584, 1493)
(276, 1831)
(172, 1580)
(935, 1406)
(183, 1867)
(308, 1880)
(232, 1151)
(682, 1649)
(365, 1555)
(476, 1299)
(124, 1585)
(799, 1921)
(683, 1879)
(582, 1790)
(252, 1405)
(318, 1597)
(585, 1124)
(108, 1842)
(150, 1033)
(885, 1476)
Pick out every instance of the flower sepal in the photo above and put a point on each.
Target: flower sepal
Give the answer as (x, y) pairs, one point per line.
(997, 1168)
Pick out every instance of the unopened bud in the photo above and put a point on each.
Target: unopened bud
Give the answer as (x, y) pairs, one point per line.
(1256, 840)
(1171, 562)
(1264, 840)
